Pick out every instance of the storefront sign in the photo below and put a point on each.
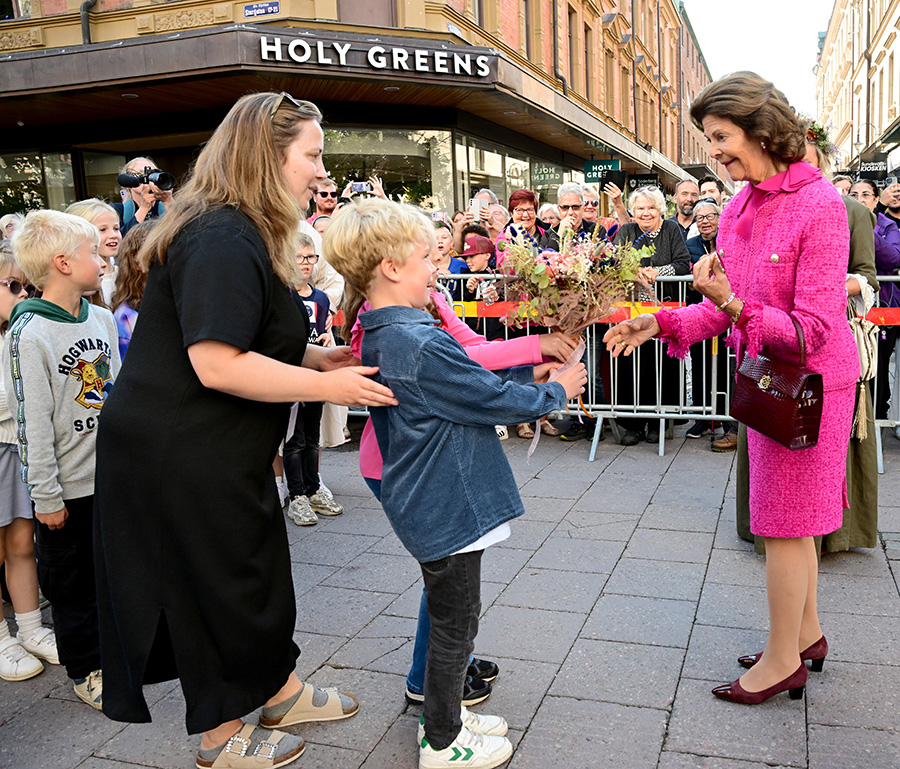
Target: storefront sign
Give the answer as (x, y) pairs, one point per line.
(546, 174)
(642, 180)
(593, 169)
(873, 167)
(254, 10)
(351, 55)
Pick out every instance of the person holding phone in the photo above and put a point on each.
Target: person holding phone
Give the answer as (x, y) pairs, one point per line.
(889, 201)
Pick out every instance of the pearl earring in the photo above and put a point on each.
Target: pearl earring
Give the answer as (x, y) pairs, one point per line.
(763, 145)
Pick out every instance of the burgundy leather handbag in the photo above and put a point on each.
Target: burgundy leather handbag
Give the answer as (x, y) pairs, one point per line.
(779, 399)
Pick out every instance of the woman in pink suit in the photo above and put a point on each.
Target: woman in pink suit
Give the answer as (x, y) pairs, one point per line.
(783, 244)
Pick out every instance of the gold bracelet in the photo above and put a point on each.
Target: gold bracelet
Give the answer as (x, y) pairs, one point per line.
(736, 318)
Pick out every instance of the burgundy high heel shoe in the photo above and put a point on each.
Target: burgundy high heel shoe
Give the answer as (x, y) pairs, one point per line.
(794, 684)
(816, 654)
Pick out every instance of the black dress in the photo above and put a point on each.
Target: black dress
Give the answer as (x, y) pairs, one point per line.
(193, 570)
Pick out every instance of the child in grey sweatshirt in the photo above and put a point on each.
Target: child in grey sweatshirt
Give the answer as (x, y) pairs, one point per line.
(59, 361)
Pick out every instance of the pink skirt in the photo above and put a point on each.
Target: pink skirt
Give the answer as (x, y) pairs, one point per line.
(802, 493)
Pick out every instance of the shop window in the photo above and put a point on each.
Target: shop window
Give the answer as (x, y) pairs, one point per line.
(518, 174)
(100, 172)
(486, 169)
(415, 166)
(29, 181)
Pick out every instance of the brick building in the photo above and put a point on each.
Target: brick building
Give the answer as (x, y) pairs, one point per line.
(439, 98)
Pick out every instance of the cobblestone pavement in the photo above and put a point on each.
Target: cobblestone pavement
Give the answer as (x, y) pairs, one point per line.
(622, 597)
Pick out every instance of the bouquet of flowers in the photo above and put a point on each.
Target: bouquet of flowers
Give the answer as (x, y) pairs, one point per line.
(570, 289)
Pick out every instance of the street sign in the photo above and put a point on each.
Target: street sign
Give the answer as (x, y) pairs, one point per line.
(593, 169)
(873, 166)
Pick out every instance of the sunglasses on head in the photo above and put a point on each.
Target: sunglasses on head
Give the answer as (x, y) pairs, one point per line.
(282, 97)
(15, 287)
(328, 194)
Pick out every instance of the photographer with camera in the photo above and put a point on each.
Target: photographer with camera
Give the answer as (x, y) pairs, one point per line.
(151, 192)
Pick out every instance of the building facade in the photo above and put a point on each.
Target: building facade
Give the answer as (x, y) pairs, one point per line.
(437, 98)
(858, 86)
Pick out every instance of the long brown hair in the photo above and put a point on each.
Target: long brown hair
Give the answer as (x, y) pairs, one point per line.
(131, 280)
(241, 166)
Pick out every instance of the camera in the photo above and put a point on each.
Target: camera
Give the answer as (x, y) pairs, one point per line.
(360, 187)
(154, 176)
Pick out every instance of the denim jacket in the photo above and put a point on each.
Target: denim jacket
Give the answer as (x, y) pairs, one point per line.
(446, 479)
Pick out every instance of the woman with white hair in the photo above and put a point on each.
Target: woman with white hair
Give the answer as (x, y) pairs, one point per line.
(670, 257)
(549, 214)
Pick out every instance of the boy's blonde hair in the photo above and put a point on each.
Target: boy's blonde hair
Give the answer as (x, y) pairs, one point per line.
(361, 236)
(91, 208)
(43, 235)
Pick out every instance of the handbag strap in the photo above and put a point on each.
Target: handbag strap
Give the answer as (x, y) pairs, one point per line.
(801, 339)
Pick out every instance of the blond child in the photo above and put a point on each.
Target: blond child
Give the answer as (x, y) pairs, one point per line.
(438, 434)
(104, 217)
(20, 656)
(59, 362)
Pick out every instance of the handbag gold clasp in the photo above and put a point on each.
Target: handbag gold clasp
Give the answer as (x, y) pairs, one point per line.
(764, 381)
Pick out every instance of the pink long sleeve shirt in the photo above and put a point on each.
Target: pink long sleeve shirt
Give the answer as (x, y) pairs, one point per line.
(524, 351)
(793, 263)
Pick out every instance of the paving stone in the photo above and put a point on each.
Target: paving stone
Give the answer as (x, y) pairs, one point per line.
(545, 508)
(566, 554)
(850, 694)
(728, 539)
(163, 743)
(390, 545)
(528, 535)
(626, 673)
(553, 487)
(582, 734)
(527, 634)
(16, 696)
(339, 611)
(307, 575)
(774, 733)
(399, 747)
(857, 563)
(888, 518)
(735, 567)
(713, 651)
(327, 549)
(553, 590)
(315, 650)
(379, 638)
(103, 763)
(518, 690)
(634, 619)
(668, 760)
(407, 605)
(360, 520)
(656, 579)
(501, 564)
(585, 524)
(376, 571)
(667, 545)
(858, 595)
(832, 747)
(734, 606)
(855, 638)
(328, 756)
(618, 493)
(380, 703)
(663, 514)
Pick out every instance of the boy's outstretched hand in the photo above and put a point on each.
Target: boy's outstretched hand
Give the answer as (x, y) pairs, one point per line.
(573, 379)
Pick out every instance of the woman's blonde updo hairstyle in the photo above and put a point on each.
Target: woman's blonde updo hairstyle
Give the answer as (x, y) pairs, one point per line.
(241, 166)
(757, 107)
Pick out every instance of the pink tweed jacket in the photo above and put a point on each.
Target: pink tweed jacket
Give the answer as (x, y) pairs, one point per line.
(795, 263)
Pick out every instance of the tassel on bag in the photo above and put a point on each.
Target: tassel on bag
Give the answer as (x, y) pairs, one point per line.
(860, 420)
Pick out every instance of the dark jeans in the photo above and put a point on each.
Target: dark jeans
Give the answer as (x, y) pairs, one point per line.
(887, 338)
(301, 452)
(65, 568)
(453, 587)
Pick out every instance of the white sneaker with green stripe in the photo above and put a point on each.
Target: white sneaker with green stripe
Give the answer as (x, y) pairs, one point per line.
(495, 726)
(467, 751)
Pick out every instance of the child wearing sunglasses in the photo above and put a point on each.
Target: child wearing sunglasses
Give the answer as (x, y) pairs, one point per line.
(20, 655)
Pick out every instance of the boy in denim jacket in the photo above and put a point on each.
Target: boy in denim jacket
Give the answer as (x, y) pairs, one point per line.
(438, 434)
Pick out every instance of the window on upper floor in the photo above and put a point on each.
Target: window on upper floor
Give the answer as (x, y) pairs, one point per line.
(588, 62)
(573, 43)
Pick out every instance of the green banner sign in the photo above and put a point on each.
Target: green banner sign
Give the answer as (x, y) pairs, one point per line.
(593, 169)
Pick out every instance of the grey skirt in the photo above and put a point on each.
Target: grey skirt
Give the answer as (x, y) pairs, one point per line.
(13, 491)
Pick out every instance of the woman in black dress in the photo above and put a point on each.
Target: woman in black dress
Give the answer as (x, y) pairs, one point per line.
(193, 570)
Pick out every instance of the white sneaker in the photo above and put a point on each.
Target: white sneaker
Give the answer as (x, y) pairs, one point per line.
(469, 750)
(323, 489)
(16, 664)
(42, 645)
(493, 726)
(300, 512)
(90, 689)
(283, 495)
(502, 432)
(325, 505)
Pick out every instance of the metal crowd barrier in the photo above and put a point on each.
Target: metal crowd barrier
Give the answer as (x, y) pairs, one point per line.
(693, 388)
